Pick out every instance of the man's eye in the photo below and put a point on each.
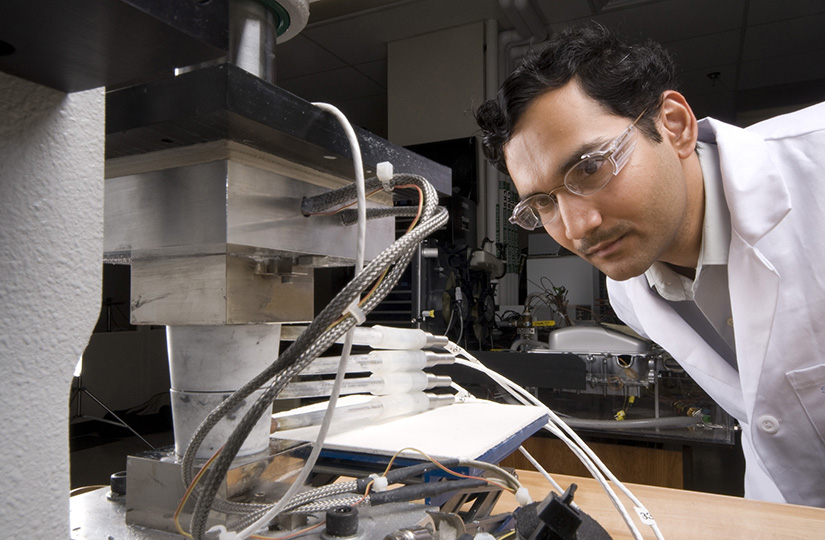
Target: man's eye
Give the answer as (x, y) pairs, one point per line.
(590, 166)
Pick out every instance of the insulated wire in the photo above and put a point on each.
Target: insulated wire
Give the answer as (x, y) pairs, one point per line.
(342, 365)
(316, 449)
(336, 389)
(309, 342)
(574, 442)
(513, 482)
(586, 461)
(460, 325)
(292, 360)
(540, 469)
(344, 207)
(360, 188)
(520, 394)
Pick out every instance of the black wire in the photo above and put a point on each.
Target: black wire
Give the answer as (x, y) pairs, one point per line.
(312, 342)
(422, 491)
(404, 473)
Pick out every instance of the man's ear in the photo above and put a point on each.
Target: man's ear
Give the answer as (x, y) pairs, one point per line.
(678, 123)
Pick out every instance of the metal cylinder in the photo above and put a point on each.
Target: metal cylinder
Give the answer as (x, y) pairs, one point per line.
(207, 364)
(252, 38)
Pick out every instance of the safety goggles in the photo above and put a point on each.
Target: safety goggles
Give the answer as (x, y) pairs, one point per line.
(589, 175)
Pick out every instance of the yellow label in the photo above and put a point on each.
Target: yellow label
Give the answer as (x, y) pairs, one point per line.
(544, 323)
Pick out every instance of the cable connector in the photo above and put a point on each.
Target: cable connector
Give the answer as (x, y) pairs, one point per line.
(222, 533)
(384, 172)
(355, 310)
(379, 483)
(523, 497)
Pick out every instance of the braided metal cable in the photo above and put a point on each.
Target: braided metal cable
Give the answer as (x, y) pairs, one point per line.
(289, 372)
(326, 318)
(290, 363)
(348, 217)
(326, 201)
(322, 344)
(321, 492)
(298, 500)
(330, 199)
(322, 505)
(214, 476)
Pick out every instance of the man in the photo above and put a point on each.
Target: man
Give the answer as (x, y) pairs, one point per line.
(711, 236)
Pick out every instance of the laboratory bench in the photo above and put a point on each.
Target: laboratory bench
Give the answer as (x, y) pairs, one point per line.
(685, 515)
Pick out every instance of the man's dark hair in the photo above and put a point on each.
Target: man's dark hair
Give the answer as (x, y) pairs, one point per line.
(625, 79)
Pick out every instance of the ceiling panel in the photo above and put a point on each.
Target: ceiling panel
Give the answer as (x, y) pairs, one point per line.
(301, 56)
(377, 71)
(766, 11)
(753, 44)
(364, 38)
(673, 20)
(781, 70)
(700, 52)
(785, 38)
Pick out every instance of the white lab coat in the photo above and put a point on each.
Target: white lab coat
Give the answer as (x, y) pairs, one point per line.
(774, 182)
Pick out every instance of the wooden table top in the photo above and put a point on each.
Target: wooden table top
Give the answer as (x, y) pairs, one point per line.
(684, 515)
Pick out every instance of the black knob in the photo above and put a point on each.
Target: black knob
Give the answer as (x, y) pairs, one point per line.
(117, 482)
(342, 521)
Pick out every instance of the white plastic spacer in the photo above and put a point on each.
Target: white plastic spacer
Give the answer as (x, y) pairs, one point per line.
(223, 534)
(523, 497)
(384, 173)
(379, 483)
(356, 312)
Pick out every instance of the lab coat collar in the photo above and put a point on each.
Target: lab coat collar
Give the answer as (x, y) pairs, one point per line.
(663, 325)
(755, 190)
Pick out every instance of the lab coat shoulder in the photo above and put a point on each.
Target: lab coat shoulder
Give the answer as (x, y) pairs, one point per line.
(798, 123)
(773, 175)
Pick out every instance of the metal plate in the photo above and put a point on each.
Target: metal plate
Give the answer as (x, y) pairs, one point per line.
(224, 102)
(196, 210)
(83, 44)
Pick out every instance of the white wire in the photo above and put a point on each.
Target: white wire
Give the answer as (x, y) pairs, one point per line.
(358, 163)
(461, 325)
(559, 428)
(519, 393)
(450, 323)
(347, 348)
(540, 469)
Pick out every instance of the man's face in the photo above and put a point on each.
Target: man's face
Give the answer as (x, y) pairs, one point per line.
(639, 217)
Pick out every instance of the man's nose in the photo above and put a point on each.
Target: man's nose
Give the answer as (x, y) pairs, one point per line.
(579, 215)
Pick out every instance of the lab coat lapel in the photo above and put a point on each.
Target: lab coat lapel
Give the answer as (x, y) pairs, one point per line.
(754, 189)
(758, 201)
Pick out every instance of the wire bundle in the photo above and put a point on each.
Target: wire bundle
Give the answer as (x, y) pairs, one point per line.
(360, 492)
(560, 429)
(333, 322)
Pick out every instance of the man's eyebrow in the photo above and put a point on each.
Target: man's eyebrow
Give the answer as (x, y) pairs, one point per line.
(576, 156)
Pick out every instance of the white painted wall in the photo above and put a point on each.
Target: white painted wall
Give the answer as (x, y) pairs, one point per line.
(51, 245)
(434, 83)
